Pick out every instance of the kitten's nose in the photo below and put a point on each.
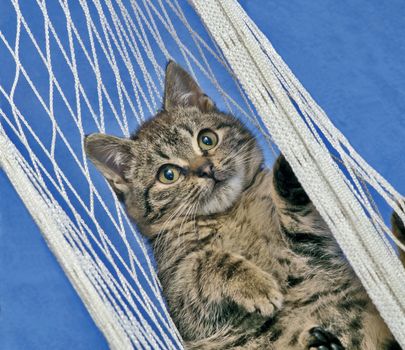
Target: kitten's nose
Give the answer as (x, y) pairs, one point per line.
(205, 170)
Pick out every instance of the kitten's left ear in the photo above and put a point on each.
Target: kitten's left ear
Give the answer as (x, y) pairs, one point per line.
(181, 90)
(112, 156)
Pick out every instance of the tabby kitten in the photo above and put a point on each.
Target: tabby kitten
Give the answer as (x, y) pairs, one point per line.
(244, 258)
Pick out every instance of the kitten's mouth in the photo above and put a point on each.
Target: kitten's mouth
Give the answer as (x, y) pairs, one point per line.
(219, 181)
(219, 177)
(221, 194)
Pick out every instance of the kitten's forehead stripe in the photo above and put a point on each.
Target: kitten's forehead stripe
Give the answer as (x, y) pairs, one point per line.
(222, 125)
(161, 154)
(186, 128)
(148, 207)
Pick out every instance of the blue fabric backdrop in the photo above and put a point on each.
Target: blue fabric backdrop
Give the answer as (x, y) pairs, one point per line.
(349, 56)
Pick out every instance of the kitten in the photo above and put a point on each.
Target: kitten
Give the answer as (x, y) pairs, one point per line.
(244, 258)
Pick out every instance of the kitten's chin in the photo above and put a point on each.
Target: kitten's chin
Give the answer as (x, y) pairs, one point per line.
(223, 196)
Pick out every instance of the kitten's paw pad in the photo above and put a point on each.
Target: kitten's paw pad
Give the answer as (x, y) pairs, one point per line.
(321, 339)
(287, 184)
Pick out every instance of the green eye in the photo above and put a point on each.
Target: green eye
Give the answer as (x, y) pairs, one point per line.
(168, 174)
(207, 139)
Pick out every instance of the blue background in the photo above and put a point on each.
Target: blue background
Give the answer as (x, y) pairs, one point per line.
(348, 55)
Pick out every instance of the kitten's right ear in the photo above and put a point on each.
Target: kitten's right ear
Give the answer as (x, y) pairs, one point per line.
(112, 156)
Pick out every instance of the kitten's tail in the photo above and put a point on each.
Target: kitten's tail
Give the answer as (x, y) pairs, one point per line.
(398, 228)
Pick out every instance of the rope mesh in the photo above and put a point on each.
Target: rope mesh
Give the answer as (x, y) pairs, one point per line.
(79, 67)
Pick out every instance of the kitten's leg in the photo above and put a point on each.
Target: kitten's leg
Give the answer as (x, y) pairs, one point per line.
(218, 276)
(302, 331)
(287, 185)
(348, 316)
(207, 284)
(398, 229)
(318, 338)
(294, 208)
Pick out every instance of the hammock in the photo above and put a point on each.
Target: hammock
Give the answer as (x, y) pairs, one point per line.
(103, 70)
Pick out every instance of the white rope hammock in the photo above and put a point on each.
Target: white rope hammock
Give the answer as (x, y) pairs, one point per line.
(103, 70)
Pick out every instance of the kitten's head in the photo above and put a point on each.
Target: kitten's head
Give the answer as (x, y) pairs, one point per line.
(190, 159)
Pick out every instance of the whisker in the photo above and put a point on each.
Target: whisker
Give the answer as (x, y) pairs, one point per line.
(176, 213)
(234, 154)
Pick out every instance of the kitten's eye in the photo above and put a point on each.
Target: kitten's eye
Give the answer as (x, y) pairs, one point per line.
(207, 139)
(168, 174)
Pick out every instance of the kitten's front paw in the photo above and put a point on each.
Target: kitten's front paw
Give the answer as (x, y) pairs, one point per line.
(320, 339)
(398, 227)
(259, 294)
(287, 184)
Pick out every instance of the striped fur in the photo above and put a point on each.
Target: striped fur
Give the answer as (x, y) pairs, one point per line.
(244, 258)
